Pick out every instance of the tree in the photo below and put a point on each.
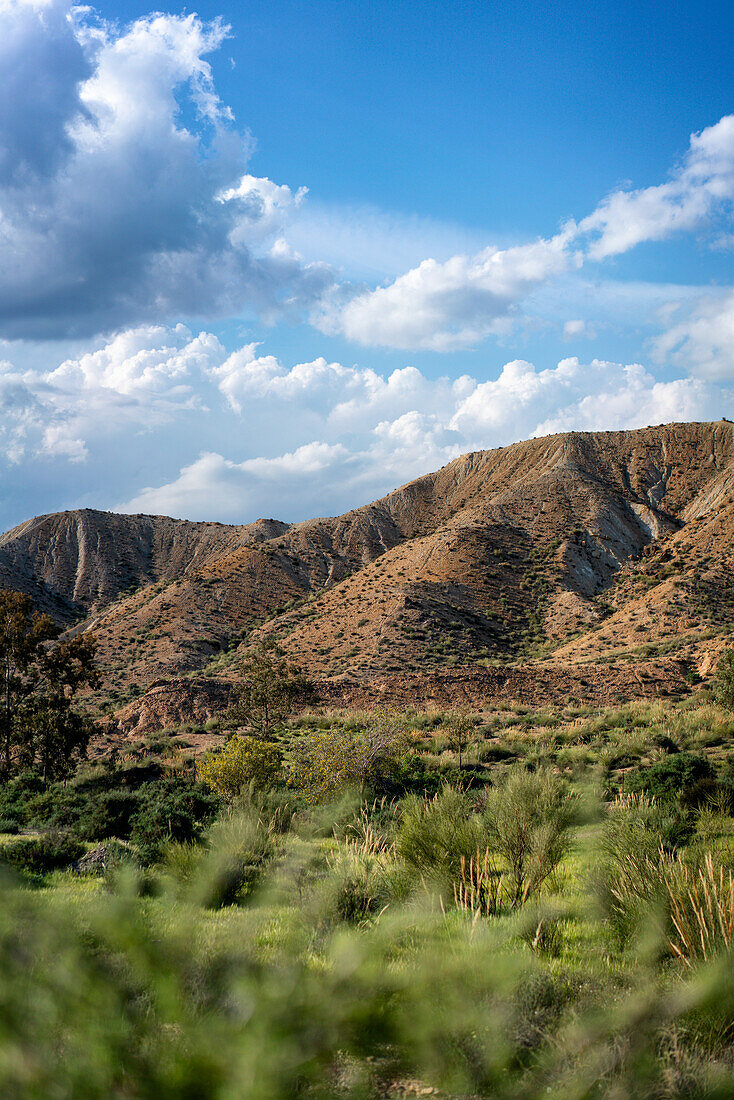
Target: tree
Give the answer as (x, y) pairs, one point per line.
(268, 690)
(38, 726)
(243, 760)
(324, 763)
(461, 734)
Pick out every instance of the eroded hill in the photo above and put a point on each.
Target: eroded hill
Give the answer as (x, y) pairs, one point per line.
(566, 550)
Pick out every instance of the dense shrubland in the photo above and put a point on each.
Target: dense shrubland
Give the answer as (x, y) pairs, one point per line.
(553, 916)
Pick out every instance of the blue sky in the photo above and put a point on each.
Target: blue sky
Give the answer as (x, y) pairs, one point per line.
(276, 258)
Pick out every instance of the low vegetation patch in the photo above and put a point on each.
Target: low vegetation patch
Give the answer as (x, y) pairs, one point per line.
(521, 903)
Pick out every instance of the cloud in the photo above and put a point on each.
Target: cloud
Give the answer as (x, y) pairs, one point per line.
(574, 396)
(49, 68)
(245, 376)
(703, 341)
(444, 306)
(123, 192)
(365, 434)
(303, 482)
(701, 183)
(138, 380)
(296, 440)
(450, 305)
(152, 364)
(349, 397)
(373, 244)
(216, 486)
(573, 330)
(125, 200)
(264, 209)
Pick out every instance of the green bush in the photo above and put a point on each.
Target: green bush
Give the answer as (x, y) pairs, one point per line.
(410, 774)
(170, 810)
(527, 820)
(118, 998)
(630, 873)
(40, 854)
(241, 847)
(16, 794)
(358, 886)
(241, 761)
(109, 814)
(139, 804)
(434, 836)
(365, 876)
(673, 776)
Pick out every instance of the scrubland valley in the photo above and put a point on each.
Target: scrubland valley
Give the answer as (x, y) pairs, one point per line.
(432, 798)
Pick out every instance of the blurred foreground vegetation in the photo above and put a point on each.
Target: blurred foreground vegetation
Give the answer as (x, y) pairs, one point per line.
(521, 904)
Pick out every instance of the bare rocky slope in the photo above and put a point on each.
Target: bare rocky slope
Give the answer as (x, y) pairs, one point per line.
(72, 563)
(569, 551)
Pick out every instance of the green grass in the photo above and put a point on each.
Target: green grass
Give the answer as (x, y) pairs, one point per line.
(308, 956)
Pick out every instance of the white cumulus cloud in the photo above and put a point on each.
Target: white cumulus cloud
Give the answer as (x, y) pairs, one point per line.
(444, 306)
(139, 379)
(457, 303)
(699, 185)
(356, 435)
(124, 196)
(702, 341)
(596, 396)
(216, 486)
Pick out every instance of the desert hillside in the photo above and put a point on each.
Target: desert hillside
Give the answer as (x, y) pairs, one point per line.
(564, 553)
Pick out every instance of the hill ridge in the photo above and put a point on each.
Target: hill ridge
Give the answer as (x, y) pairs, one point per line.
(501, 554)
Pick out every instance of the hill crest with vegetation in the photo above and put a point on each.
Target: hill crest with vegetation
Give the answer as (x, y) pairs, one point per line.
(580, 549)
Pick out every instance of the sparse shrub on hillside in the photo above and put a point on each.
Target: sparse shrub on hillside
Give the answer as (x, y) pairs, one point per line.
(243, 760)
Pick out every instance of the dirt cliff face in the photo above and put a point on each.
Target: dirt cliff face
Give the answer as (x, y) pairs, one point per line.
(573, 548)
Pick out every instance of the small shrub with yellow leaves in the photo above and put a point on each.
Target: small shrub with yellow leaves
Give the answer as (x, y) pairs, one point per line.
(242, 761)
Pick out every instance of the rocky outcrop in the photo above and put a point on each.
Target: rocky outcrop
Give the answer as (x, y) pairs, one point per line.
(170, 704)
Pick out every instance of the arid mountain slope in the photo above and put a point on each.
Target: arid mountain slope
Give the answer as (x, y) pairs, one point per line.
(72, 563)
(501, 555)
(531, 534)
(677, 598)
